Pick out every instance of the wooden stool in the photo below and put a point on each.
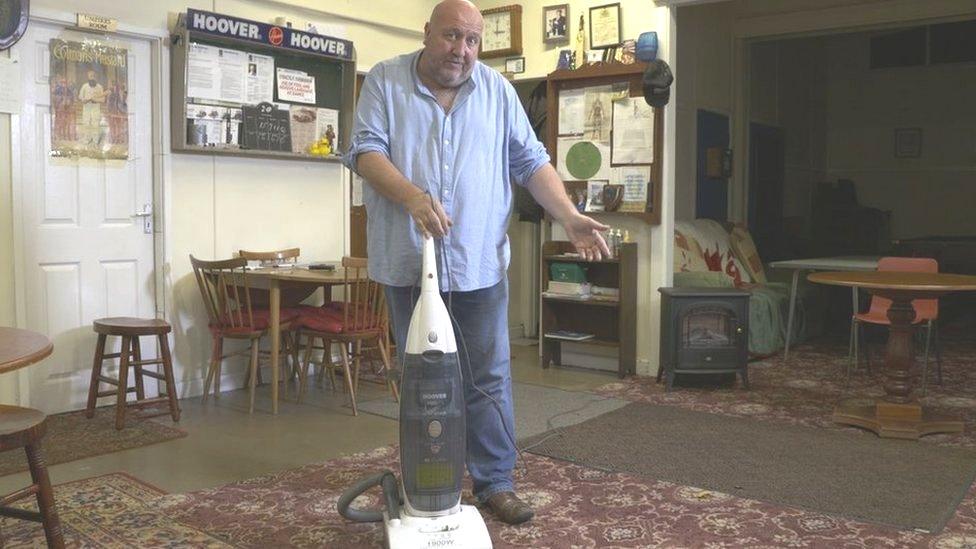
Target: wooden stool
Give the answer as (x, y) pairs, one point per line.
(130, 329)
(23, 428)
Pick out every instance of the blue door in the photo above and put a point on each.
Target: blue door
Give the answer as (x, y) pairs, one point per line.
(712, 196)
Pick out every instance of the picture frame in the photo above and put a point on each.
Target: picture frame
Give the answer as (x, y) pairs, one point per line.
(605, 26)
(908, 142)
(515, 65)
(555, 24)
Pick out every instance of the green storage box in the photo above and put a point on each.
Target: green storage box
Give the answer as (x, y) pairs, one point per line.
(567, 272)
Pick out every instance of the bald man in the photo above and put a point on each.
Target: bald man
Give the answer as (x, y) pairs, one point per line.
(440, 137)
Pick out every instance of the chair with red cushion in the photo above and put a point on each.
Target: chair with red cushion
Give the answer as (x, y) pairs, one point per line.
(926, 313)
(359, 318)
(226, 294)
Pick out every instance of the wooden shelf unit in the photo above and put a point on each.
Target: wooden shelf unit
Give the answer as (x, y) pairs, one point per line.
(613, 323)
(599, 74)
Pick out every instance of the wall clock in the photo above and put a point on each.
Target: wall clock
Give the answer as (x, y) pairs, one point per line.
(502, 35)
(13, 21)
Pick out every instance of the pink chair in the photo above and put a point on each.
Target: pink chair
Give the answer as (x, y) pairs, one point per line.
(926, 313)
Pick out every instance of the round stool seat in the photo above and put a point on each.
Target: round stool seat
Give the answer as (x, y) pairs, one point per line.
(130, 326)
(20, 427)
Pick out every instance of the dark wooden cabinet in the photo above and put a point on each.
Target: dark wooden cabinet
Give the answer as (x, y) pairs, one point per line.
(611, 321)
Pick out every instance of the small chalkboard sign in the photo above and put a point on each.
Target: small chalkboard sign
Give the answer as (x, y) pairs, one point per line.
(266, 128)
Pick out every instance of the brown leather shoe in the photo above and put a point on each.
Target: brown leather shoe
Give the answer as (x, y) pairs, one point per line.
(509, 508)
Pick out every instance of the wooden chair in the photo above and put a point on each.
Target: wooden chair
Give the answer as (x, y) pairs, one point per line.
(130, 355)
(226, 294)
(291, 297)
(359, 318)
(24, 428)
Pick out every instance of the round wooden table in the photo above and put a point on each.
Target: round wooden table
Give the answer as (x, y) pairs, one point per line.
(19, 348)
(898, 414)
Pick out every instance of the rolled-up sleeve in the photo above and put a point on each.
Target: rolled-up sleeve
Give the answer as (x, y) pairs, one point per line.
(526, 154)
(370, 128)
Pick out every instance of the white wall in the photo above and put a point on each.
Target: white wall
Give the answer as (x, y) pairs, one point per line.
(929, 195)
(215, 206)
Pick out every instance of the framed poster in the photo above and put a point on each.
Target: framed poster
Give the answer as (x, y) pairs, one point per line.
(555, 28)
(605, 26)
(89, 100)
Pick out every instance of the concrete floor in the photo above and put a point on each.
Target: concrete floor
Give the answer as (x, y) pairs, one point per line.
(227, 444)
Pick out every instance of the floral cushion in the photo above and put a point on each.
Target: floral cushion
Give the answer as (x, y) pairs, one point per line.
(745, 249)
(688, 256)
(716, 248)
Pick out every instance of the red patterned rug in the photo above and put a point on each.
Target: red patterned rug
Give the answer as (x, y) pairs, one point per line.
(805, 389)
(577, 507)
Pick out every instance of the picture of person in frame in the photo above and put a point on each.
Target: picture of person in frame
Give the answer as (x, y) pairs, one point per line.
(555, 23)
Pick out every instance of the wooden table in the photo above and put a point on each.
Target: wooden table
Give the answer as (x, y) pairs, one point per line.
(19, 348)
(277, 278)
(898, 414)
(24, 427)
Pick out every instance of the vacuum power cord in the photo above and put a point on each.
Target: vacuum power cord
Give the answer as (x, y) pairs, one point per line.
(391, 496)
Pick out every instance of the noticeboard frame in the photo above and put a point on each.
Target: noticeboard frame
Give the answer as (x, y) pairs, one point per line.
(340, 96)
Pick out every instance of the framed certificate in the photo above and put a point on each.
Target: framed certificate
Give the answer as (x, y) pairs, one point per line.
(605, 26)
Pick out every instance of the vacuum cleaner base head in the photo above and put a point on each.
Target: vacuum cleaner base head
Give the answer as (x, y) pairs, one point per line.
(464, 529)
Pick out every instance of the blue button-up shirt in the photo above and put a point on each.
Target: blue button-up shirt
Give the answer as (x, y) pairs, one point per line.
(465, 158)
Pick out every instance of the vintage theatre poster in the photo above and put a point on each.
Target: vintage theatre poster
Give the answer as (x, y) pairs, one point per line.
(89, 88)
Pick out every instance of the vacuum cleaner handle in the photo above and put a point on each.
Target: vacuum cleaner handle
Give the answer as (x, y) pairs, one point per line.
(391, 495)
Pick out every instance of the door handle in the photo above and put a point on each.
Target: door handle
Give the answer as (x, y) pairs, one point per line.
(147, 211)
(147, 218)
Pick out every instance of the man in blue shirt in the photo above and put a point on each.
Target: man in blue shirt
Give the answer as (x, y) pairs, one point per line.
(438, 137)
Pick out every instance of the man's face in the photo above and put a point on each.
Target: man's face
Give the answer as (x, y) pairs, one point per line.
(91, 76)
(451, 42)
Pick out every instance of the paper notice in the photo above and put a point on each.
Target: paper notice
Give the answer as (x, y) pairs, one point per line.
(10, 94)
(633, 132)
(303, 125)
(259, 80)
(571, 112)
(636, 181)
(215, 73)
(296, 86)
(328, 128)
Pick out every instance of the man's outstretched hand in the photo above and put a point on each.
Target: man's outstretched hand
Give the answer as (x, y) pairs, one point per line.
(584, 233)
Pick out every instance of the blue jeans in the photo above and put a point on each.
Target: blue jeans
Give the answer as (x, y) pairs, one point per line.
(482, 321)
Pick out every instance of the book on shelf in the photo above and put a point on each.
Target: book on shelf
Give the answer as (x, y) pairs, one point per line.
(569, 335)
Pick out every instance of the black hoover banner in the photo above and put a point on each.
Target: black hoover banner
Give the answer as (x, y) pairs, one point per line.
(264, 33)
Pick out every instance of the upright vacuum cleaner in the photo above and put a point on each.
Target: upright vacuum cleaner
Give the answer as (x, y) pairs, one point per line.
(424, 509)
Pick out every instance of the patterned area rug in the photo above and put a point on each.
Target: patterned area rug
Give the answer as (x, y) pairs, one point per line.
(805, 389)
(114, 510)
(576, 507)
(72, 436)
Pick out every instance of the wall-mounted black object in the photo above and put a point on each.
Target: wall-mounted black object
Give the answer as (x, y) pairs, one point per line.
(14, 15)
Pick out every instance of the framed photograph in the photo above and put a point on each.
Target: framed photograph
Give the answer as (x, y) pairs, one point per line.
(908, 142)
(515, 65)
(555, 24)
(605, 29)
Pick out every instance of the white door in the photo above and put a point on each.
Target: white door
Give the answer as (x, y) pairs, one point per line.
(84, 252)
